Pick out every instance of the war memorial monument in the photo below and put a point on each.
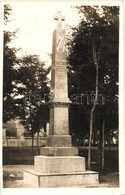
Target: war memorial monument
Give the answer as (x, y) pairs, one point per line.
(58, 164)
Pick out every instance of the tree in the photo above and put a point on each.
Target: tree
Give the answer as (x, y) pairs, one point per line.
(93, 58)
(10, 60)
(25, 85)
(32, 86)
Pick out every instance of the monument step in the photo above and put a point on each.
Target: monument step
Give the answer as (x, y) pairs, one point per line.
(59, 140)
(59, 151)
(78, 179)
(59, 164)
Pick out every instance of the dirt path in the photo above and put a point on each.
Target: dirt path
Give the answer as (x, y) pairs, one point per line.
(13, 178)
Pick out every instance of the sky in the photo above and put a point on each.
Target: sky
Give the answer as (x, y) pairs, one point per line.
(36, 24)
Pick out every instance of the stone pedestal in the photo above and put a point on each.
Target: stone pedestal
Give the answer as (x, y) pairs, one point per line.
(82, 179)
(58, 165)
(65, 171)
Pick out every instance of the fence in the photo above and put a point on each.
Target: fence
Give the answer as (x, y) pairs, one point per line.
(23, 141)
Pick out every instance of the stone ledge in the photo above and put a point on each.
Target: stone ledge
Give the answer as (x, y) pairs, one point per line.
(78, 179)
(59, 151)
(62, 104)
(59, 140)
(38, 173)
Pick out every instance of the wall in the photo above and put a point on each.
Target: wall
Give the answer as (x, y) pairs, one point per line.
(23, 141)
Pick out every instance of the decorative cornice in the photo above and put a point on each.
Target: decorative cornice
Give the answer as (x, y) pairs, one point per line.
(59, 104)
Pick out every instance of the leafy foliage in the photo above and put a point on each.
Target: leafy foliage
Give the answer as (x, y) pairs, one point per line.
(101, 25)
(9, 61)
(33, 87)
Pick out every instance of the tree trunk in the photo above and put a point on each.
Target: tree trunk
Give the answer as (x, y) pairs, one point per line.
(45, 129)
(103, 147)
(84, 141)
(37, 142)
(90, 140)
(94, 105)
(32, 142)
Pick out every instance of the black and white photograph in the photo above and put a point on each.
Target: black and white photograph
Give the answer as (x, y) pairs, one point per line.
(62, 95)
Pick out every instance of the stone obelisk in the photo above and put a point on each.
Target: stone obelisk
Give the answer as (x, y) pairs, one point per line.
(59, 140)
(58, 165)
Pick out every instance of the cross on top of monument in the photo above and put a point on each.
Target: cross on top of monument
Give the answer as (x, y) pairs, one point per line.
(59, 17)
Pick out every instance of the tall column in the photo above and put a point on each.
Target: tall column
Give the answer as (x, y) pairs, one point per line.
(59, 90)
(59, 104)
(59, 122)
(59, 87)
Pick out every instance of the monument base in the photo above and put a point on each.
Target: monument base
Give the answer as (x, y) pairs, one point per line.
(60, 171)
(59, 151)
(79, 179)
